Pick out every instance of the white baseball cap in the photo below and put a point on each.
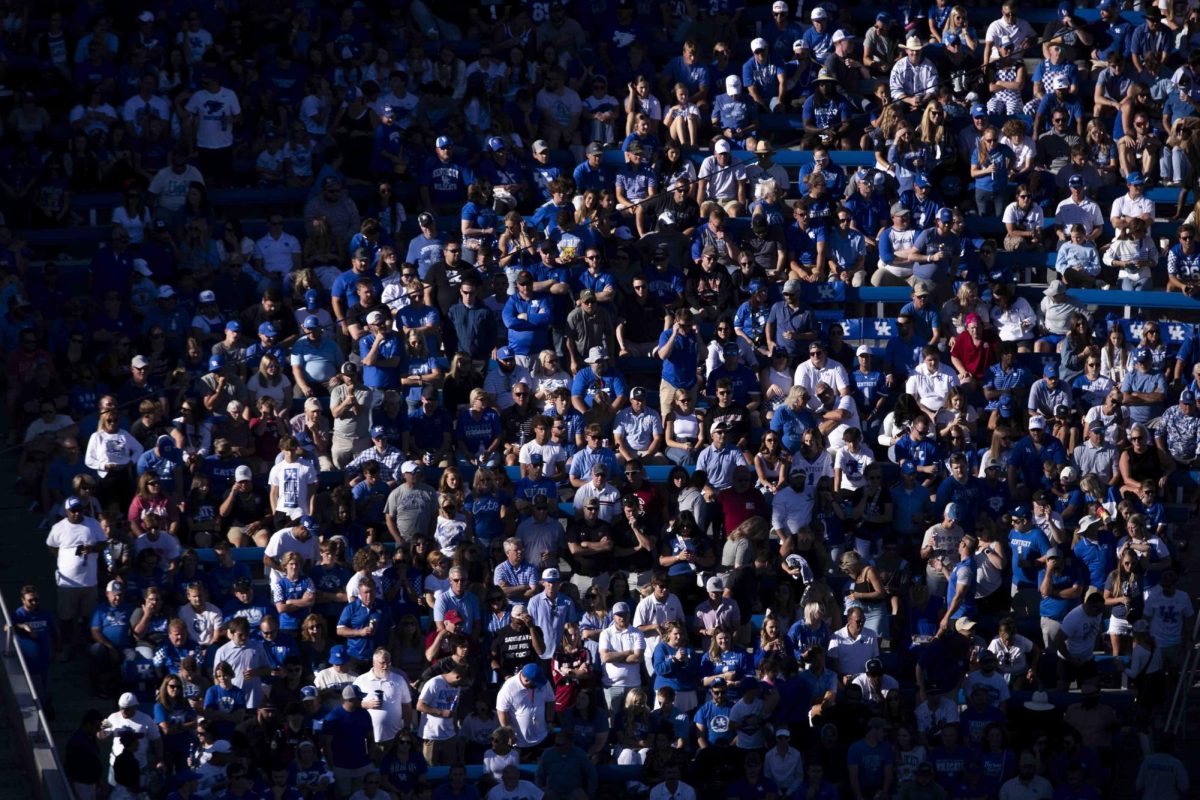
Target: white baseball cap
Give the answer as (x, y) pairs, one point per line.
(758, 44)
(128, 700)
(779, 7)
(841, 35)
(733, 85)
(243, 473)
(722, 146)
(818, 13)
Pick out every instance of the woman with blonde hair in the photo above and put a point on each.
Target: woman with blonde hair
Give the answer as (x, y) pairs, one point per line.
(937, 134)
(548, 375)
(958, 24)
(992, 167)
(270, 380)
(632, 727)
(966, 301)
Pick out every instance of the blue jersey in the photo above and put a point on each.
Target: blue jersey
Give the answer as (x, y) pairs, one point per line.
(1026, 545)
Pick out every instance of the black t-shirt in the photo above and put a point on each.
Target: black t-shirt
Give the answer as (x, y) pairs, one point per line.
(513, 649)
(283, 320)
(624, 538)
(445, 281)
(736, 419)
(643, 321)
(587, 563)
(358, 315)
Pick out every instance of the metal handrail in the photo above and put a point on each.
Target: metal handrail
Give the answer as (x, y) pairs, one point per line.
(1187, 675)
(10, 647)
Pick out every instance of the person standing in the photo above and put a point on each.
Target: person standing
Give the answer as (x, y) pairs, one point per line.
(386, 697)
(76, 542)
(525, 703)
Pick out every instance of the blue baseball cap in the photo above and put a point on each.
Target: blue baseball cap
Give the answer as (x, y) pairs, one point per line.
(978, 110)
(945, 215)
(1050, 371)
(908, 468)
(1020, 512)
(307, 692)
(1143, 355)
(504, 353)
(73, 504)
(164, 443)
(312, 299)
(444, 142)
(309, 523)
(233, 325)
(216, 362)
(1075, 182)
(921, 180)
(756, 285)
(1104, 5)
(1134, 179)
(338, 655)
(495, 144)
(533, 674)
(378, 432)
(267, 329)
(311, 322)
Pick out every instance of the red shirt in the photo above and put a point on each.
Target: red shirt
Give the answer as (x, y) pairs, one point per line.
(975, 357)
(737, 508)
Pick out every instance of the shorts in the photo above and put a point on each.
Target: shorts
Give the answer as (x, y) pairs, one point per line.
(76, 602)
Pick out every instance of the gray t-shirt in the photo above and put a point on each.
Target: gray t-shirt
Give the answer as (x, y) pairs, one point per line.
(353, 426)
(411, 508)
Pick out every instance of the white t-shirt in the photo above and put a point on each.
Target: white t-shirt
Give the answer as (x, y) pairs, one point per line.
(295, 481)
(682, 792)
(276, 254)
(215, 109)
(1167, 616)
(75, 572)
(388, 720)
(524, 790)
(622, 674)
(438, 693)
(141, 724)
(1012, 659)
(1081, 630)
(202, 624)
(283, 541)
(527, 708)
(240, 658)
(171, 188)
(554, 456)
(166, 545)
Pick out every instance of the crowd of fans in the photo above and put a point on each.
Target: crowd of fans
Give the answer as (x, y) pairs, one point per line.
(535, 460)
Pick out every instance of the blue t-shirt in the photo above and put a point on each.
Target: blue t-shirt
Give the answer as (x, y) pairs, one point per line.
(381, 377)
(996, 182)
(1029, 545)
(349, 730)
(963, 574)
(871, 763)
(1056, 608)
(715, 721)
(477, 435)
(679, 368)
(114, 623)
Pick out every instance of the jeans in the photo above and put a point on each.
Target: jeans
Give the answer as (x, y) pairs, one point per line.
(990, 203)
(1173, 165)
(684, 458)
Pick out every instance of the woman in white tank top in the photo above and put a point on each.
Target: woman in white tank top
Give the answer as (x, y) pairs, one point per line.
(684, 432)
